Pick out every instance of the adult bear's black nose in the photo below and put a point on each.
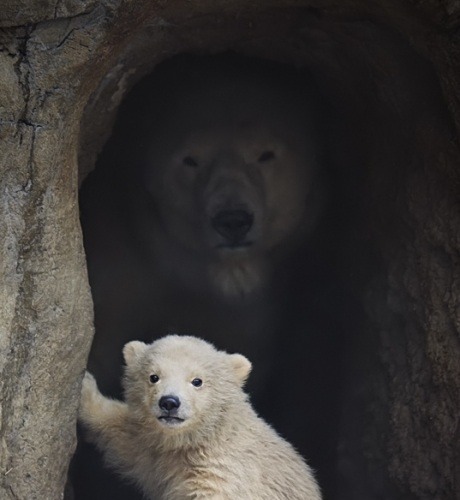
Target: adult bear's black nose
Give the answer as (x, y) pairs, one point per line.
(169, 403)
(233, 225)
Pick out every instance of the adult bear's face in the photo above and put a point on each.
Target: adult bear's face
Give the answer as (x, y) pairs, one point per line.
(233, 176)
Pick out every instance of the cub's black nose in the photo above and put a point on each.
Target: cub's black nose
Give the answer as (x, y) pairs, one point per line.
(233, 225)
(169, 403)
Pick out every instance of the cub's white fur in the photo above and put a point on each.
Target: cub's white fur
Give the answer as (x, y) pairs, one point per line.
(210, 445)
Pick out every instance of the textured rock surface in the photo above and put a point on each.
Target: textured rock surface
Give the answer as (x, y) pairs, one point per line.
(62, 57)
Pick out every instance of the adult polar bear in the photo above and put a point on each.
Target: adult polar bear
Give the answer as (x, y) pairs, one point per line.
(208, 185)
(206, 190)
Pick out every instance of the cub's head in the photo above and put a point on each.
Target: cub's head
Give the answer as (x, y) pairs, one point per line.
(182, 385)
(232, 165)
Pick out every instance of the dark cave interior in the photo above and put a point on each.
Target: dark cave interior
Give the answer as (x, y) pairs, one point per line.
(381, 122)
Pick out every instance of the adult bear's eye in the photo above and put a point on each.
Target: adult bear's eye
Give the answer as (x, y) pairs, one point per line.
(266, 156)
(189, 161)
(197, 382)
(154, 378)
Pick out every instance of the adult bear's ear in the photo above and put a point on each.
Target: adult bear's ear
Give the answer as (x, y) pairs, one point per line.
(133, 350)
(241, 367)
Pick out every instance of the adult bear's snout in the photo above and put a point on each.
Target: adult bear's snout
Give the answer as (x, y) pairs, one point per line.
(233, 225)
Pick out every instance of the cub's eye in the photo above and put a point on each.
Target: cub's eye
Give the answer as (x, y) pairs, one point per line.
(266, 156)
(154, 378)
(197, 382)
(189, 161)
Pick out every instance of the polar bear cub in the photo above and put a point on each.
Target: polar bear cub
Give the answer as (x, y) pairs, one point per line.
(187, 429)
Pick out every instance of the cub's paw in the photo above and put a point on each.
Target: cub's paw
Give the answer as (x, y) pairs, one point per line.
(89, 396)
(89, 385)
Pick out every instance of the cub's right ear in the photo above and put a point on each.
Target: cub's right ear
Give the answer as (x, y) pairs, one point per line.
(133, 350)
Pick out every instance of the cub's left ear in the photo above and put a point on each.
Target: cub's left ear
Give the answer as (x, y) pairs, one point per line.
(241, 367)
(133, 351)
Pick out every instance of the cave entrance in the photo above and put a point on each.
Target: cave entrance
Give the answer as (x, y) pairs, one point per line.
(384, 127)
